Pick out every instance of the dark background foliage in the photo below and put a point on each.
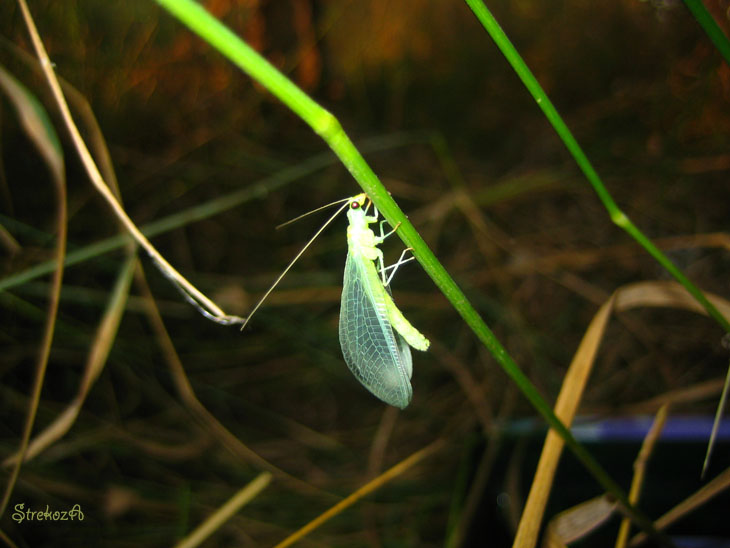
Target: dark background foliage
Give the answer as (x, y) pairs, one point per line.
(435, 107)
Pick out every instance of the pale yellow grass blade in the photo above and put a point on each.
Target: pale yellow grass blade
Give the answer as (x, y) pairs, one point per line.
(575, 523)
(38, 128)
(103, 343)
(365, 490)
(652, 294)
(225, 512)
(711, 489)
(191, 293)
(640, 470)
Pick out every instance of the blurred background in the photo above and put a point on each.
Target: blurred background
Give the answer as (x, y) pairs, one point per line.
(439, 115)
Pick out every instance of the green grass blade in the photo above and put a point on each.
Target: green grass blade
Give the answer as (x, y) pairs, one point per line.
(711, 28)
(329, 128)
(617, 216)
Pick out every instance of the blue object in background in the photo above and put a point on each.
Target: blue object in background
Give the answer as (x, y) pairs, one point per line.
(677, 428)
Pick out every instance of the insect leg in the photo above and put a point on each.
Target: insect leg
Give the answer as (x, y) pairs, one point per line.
(374, 217)
(384, 236)
(381, 265)
(395, 266)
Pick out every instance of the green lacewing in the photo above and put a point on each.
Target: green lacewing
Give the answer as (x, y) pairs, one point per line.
(374, 335)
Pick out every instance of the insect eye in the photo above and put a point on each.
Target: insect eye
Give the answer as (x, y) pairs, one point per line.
(355, 205)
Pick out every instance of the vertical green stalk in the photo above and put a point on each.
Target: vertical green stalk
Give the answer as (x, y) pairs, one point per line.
(617, 216)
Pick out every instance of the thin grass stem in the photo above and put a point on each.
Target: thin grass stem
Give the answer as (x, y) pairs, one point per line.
(619, 218)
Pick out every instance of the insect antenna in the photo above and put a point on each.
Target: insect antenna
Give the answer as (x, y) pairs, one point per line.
(301, 252)
(320, 208)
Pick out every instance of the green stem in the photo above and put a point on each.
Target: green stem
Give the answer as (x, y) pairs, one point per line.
(329, 128)
(711, 28)
(617, 216)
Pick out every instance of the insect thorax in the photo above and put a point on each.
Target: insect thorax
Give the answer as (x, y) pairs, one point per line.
(362, 241)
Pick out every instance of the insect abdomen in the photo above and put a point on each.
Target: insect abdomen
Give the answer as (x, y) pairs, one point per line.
(398, 321)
